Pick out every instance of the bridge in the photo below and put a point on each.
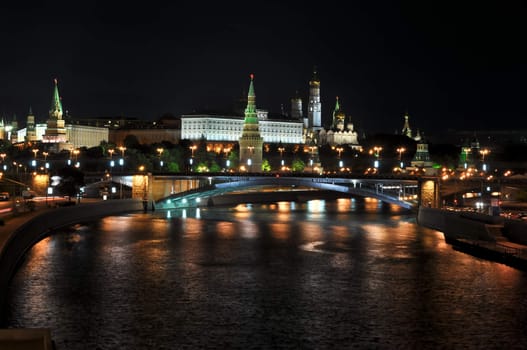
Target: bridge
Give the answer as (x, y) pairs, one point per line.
(169, 191)
(177, 190)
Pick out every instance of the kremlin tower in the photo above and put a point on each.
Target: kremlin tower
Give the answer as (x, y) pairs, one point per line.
(55, 130)
(251, 143)
(31, 131)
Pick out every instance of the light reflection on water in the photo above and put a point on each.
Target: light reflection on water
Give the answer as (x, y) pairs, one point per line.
(315, 275)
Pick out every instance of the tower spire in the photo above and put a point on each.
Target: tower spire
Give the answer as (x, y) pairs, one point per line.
(250, 141)
(55, 128)
(250, 110)
(56, 105)
(406, 127)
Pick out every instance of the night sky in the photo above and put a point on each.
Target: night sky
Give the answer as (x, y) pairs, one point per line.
(458, 65)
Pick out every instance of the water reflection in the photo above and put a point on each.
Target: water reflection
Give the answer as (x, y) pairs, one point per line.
(320, 274)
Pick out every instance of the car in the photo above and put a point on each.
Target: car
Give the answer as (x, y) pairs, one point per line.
(4, 196)
(28, 194)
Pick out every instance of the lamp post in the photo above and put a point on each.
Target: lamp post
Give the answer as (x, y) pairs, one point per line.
(121, 161)
(160, 151)
(401, 150)
(46, 165)
(110, 152)
(145, 190)
(122, 149)
(227, 163)
(339, 151)
(311, 161)
(191, 161)
(34, 161)
(483, 153)
(376, 151)
(3, 155)
(281, 149)
(76, 153)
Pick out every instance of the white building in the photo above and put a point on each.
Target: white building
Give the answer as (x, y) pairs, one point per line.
(217, 127)
(338, 134)
(76, 135)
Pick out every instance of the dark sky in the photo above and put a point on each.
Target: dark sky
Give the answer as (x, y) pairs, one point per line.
(457, 64)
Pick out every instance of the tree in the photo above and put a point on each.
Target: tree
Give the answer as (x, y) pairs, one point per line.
(266, 166)
(298, 165)
(71, 180)
(131, 141)
(214, 167)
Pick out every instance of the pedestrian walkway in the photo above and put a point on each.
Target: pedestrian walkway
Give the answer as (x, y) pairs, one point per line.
(12, 222)
(502, 251)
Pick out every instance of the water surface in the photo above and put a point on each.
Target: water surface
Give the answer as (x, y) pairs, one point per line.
(318, 275)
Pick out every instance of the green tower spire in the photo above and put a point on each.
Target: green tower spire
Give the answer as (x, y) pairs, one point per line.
(55, 128)
(251, 142)
(251, 117)
(56, 104)
(337, 105)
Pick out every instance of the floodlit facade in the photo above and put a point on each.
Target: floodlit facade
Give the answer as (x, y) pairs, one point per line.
(221, 127)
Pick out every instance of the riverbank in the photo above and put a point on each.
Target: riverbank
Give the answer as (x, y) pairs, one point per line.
(507, 253)
(21, 232)
(489, 237)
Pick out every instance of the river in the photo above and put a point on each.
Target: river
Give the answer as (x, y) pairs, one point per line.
(336, 274)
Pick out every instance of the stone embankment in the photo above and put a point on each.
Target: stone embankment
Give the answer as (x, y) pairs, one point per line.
(492, 237)
(470, 225)
(20, 234)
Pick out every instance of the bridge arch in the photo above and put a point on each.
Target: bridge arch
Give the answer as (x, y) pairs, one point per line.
(388, 190)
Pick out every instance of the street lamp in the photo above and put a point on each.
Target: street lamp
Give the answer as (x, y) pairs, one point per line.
(110, 152)
(76, 153)
(145, 189)
(191, 161)
(376, 152)
(160, 151)
(400, 150)
(227, 162)
(46, 165)
(483, 153)
(3, 155)
(34, 161)
(122, 149)
(281, 149)
(121, 160)
(339, 151)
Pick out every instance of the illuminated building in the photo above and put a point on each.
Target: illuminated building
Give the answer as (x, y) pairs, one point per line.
(341, 131)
